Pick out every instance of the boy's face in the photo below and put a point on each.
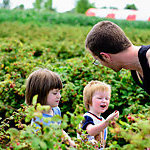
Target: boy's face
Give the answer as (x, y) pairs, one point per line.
(53, 98)
(100, 102)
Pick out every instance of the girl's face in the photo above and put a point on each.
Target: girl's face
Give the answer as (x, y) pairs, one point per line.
(100, 102)
(53, 98)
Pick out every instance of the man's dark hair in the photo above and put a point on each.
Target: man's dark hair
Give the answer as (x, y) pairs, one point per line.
(106, 37)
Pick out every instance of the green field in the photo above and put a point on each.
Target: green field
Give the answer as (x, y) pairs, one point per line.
(30, 40)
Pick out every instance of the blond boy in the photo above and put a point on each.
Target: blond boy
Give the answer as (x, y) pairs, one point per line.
(96, 96)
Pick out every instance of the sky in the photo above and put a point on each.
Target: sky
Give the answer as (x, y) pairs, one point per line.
(66, 5)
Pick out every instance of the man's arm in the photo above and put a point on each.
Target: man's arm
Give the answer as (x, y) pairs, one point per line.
(148, 56)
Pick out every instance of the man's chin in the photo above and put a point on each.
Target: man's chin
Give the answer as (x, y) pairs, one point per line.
(116, 70)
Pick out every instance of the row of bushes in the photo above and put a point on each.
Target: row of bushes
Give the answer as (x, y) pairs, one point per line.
(130, 134)
(47, 17)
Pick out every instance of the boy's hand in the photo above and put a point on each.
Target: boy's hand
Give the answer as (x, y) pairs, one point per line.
(117, 114)
(113, 116)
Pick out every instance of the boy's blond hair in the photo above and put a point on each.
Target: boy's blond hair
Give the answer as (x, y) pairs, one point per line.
(91, 88)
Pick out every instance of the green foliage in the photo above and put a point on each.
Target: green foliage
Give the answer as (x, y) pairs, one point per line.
(130, 134)
(23, 136)
(134, 133)
(48, 5)
(131, 6)
(37, 4)
(48, 18)
(6, 3)
(42, 4)
(21, 6)
(83, 5)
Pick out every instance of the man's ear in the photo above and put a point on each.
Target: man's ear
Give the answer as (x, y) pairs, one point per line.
(106, 57)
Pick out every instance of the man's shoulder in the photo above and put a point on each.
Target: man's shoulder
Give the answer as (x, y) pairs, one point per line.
(148, 56)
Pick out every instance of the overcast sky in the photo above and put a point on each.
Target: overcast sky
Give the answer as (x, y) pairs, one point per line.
(65, 5)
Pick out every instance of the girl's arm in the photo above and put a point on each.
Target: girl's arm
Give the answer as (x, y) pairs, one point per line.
(95, 129)
(71, 142)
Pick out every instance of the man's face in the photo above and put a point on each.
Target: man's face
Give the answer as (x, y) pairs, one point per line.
(109, 63)
(112, 65)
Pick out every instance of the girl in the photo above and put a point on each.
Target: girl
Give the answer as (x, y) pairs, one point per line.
(47, 85)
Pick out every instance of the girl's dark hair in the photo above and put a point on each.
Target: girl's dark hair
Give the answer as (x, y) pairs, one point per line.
(40, 82)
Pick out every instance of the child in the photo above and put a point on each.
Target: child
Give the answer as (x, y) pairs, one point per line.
(46, 84)
(96, 96)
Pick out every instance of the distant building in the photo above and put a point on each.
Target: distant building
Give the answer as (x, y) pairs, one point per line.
(124, 14)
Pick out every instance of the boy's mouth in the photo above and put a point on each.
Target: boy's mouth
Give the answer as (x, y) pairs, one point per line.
(103, 105)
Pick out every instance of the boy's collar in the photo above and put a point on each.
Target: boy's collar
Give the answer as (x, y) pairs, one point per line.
(100, 118)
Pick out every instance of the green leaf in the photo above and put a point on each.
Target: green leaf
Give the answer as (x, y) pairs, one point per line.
(34, 100)
(43, 145)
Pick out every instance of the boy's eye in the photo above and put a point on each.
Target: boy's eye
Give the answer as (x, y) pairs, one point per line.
(100, 98)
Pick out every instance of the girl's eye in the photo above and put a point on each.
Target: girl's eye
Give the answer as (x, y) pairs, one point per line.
(55, 93)
(107, 98)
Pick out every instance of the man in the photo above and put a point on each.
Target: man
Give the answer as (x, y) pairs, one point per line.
(109, 45)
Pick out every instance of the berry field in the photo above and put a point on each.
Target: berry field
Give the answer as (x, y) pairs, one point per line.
(30, 40)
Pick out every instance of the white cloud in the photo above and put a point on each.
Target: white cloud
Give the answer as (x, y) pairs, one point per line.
(65, 5)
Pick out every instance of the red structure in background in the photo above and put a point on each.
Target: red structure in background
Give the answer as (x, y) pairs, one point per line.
(125, 14)
(111, 16)
(131, 17)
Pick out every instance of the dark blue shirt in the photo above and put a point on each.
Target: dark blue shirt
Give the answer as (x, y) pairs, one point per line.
(145, 84)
